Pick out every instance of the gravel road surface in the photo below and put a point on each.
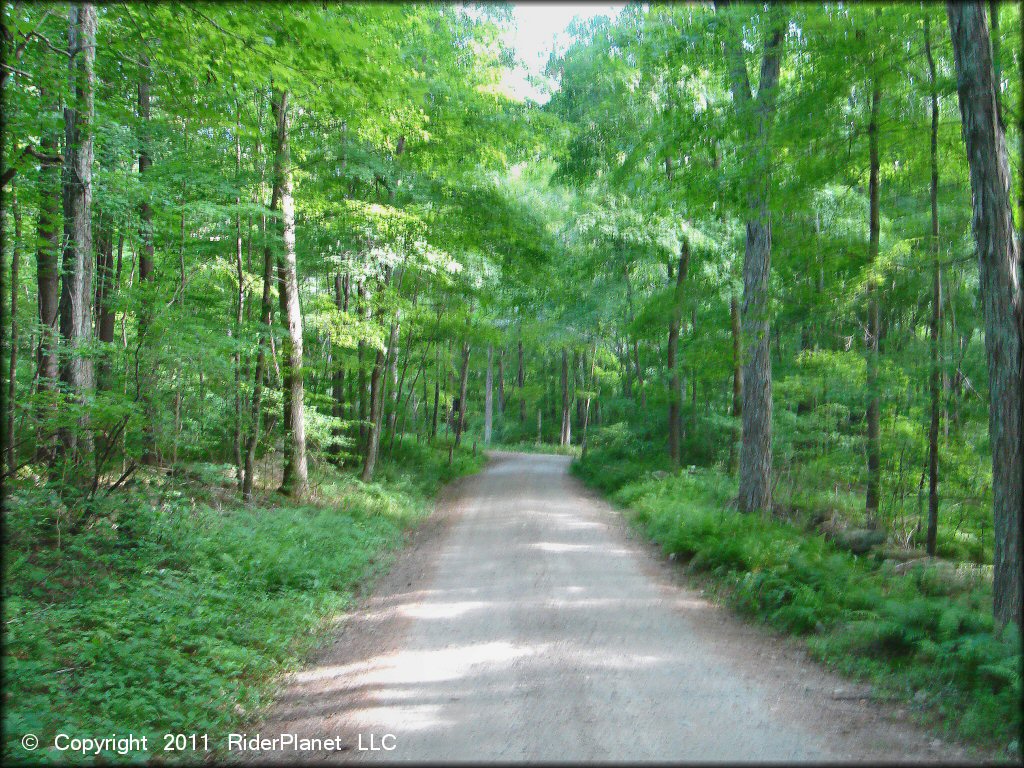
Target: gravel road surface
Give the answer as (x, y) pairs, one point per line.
(524, 622)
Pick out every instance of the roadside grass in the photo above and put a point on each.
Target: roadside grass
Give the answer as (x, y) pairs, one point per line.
(171, 615)
(534, 447)
(926, 637)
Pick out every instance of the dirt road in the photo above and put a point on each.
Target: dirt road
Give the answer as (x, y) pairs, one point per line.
(525, 623)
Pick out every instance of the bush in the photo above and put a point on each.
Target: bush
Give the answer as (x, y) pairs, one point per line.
(176, 616)
(907, 633)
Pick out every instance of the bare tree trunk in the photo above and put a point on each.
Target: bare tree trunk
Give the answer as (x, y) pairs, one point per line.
(463, 384)
(364, 427)
(12, 370)
(566, 436)
(758, 113)
(266, 320)
(377, 401)
(239, 301)
(76, 285)
(586, 406)
(489, 397)
(674, 419)
(520, 383)
(737, 375)
(874, 444)
(296, 480)
(999, 268)
(501, 381)
(341, 296)
(146, 253)
(48, 282)
(936, 324)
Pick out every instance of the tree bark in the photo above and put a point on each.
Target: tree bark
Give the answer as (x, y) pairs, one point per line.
(566, 436)
(999, 268)
(76, 284)
(935, 385)
(296, 480)
(47, 282)
(520, 383)
(377, 400)
(674, 418)
(341, 296)
(146, 252)
(463, 385)
(737, 375)
(266, 320)
(501, 381)
(489, 397)
(757, 114)
(12, 369)
(874, 441)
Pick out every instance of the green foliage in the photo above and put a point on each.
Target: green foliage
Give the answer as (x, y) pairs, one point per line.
(918, 634)
(178, 615)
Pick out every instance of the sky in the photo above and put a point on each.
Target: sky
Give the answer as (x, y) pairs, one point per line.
(535, 30)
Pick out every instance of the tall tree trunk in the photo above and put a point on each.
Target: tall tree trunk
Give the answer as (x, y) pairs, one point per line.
(463, 385)
(104, 300)
(263, 344)
(48, 279)
(566, 436)
(520, 383)
(501, 381)
(758, 113)
(12, 369)
(999, 268)
(377, 400)
(936, 323)
(586, 406)
(674, 419)
(737, 375)
(874, 444)
(489, 397)
(239, 300)
(341, 295)
(296, 480)
(364, 427)
(76, 284)
(146, 254)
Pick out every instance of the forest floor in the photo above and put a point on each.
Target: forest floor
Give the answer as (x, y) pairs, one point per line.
(526, 621)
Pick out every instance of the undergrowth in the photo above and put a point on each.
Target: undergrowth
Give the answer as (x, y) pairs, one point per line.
(170, 615)
(923, 637)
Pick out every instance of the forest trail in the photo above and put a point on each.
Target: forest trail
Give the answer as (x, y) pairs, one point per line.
(525, 623)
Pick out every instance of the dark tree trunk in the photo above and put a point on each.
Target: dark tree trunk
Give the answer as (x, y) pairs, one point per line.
(48, 280)
(674, 418)
(266, 321)
(501, 381)
(566, 435)
(520, 383)
(758, 113)
(489, 397)
(341, 296)
(12, 369)
(935, 384)
(463, 385)
(874, 444)
(146, 253)
(999, 268)
(737, 375)
(76, 284)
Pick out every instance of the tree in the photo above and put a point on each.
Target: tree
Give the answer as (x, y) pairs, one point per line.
(999, 269)
(756, 113)
(76, 273)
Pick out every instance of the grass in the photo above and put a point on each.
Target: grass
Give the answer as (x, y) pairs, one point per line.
(926, 637)
(171, 615)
